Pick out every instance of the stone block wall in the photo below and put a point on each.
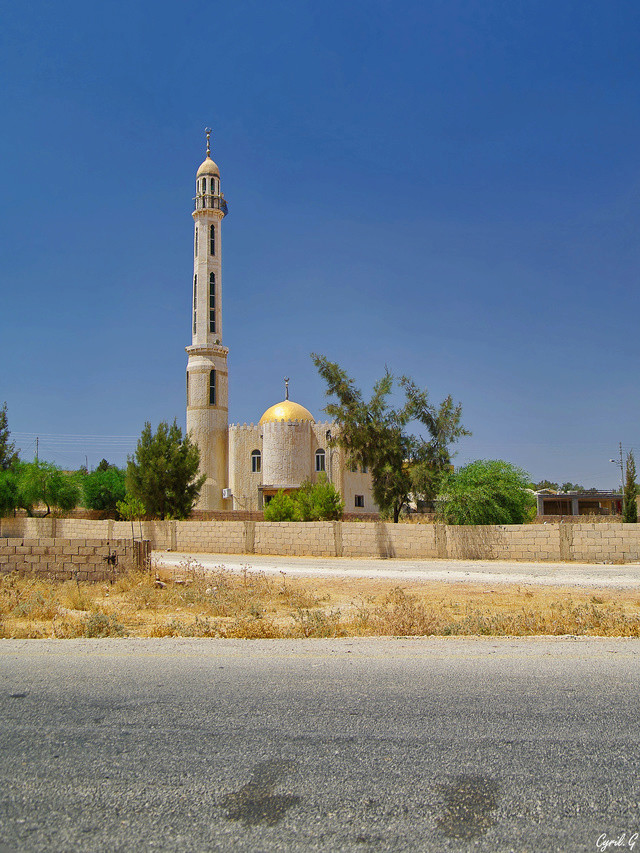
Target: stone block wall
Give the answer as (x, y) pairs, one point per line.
(579, 541)
(63, 559)
(310, 539)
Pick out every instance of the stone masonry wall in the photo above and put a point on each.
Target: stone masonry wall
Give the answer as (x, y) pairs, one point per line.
(579, 541)
(63, 559)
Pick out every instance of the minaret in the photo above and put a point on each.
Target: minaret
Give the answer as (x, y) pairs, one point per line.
(207, 379)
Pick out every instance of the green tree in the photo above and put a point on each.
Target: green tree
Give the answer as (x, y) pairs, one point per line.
(375, 434)
(8, 491)
(41, 482)
(487, 492)
(281, 507)
(163, 472)
(319, 501)
(572, 487)
(546, 484)
(630, 514)
(103, 488)
(8, 452)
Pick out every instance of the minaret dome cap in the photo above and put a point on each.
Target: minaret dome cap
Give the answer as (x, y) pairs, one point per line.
(208, 167)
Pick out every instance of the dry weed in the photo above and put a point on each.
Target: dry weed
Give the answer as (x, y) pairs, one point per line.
(252, 605)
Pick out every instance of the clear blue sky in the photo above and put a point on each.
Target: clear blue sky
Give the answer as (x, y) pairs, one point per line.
(448, 188)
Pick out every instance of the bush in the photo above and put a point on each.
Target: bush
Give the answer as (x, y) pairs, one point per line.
(281, 507)
(487, 492)
(319, 501)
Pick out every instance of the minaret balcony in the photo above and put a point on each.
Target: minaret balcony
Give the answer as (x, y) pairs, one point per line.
(211, 202)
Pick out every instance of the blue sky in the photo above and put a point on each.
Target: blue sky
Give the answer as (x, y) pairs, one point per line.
(449, 189)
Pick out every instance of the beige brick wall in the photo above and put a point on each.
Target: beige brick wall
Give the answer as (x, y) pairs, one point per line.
(314, 539)
(62, 559)
(579, 541)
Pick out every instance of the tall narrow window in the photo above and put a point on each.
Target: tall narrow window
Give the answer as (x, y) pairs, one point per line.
(213, 186)
(212, 240)
(212, 388)
(196, 239)
(256, 462)
(195, 301)
(320, 460)
(359, 501)
(212, 302)
(187, 389)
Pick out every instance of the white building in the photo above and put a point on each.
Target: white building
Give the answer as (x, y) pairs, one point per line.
(245, 465)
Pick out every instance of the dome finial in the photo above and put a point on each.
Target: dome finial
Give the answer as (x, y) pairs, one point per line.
(207, 130)
(286, 387)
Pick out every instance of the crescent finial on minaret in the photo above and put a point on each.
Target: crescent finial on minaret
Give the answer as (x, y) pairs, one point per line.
(207, 130)
(286, 387)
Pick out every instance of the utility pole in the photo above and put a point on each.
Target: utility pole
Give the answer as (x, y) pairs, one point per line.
(37, 442)
(621, 464)
(622, 477)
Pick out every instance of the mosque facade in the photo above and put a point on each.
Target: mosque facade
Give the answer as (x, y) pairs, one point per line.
(247, 464)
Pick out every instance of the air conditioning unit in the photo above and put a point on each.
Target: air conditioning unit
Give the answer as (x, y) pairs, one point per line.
(227, 493)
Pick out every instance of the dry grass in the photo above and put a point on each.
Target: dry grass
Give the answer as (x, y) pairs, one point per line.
(251, 605)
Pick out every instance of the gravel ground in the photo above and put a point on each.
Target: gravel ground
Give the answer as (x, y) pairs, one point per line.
(599, 575)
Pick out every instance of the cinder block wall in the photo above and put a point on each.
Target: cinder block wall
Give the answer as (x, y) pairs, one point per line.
(62, 559)
(580, 541)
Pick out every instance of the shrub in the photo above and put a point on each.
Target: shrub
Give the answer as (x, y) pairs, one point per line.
(281, 507)
(319, 501)
(487, 492)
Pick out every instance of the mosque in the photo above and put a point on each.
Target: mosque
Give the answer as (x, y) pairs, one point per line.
(246, 464)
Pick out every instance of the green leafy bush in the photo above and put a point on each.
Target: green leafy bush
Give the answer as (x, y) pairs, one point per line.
(319, 501)
(281, 507)
(487, 492)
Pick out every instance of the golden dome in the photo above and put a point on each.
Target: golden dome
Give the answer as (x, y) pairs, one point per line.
(208, 168)
(287, 410)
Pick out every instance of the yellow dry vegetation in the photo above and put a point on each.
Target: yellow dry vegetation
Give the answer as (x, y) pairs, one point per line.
(252, 605)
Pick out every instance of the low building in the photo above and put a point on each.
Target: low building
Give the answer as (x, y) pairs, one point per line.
(593, 502)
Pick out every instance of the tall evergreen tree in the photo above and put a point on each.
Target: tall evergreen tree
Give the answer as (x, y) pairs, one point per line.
(630, 514)
(8, 452)
(163, 472)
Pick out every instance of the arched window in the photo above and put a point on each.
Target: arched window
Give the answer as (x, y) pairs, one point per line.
(213, 186)
(256, 462)
(320, 460)
(195, 301)
(196, 240)
(212, 302)
(187, 389)
(212, 240)
(212, 388)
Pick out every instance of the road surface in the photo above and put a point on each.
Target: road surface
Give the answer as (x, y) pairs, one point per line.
(319, 745)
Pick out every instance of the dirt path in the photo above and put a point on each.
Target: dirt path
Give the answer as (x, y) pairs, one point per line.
(600, 575)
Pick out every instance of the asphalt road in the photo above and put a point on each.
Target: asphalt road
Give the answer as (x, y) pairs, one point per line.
(364, 745)
(621, 576)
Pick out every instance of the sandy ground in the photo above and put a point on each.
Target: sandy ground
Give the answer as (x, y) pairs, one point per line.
(599, 575)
